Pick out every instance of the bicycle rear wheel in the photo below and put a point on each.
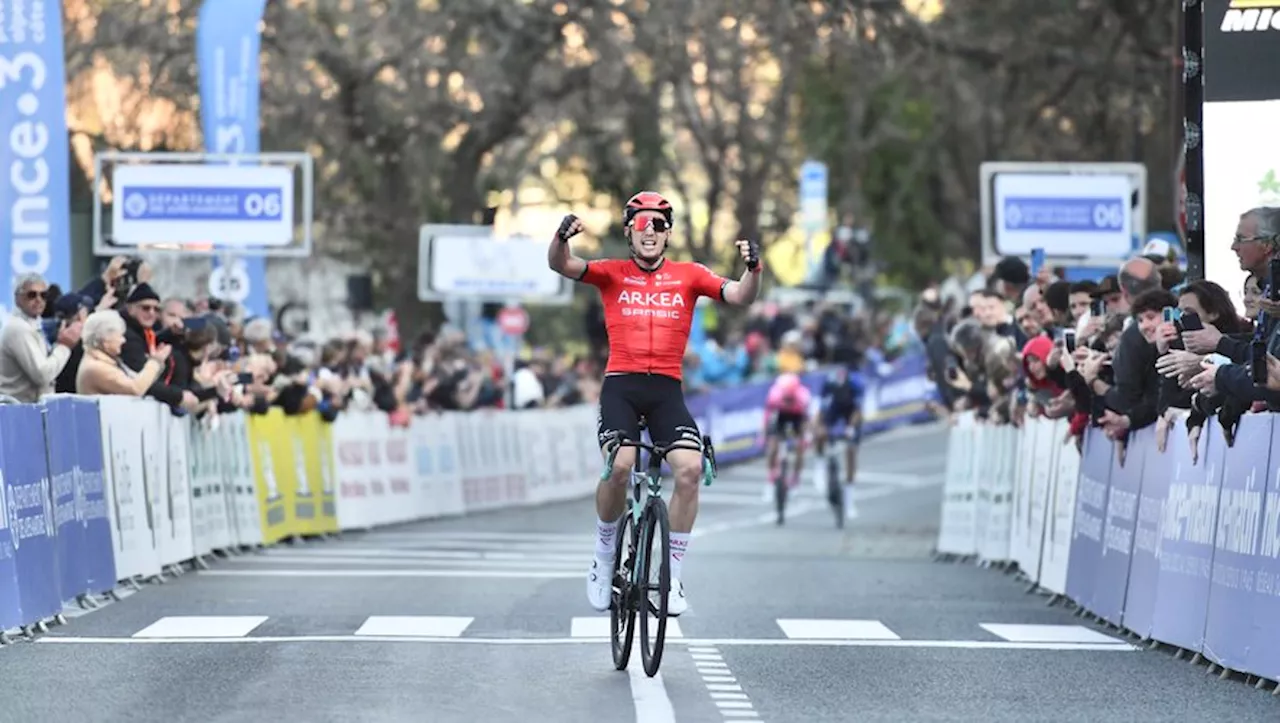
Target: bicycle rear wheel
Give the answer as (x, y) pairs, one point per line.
(656, 577)
(835, 491)
(780, 485)
(622, 609)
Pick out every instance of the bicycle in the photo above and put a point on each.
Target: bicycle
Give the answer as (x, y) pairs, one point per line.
(787, 456)
(835, 461)
(645, 518)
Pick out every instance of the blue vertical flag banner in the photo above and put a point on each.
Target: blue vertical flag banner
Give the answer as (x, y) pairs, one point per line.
(227, 48)
(35, 192)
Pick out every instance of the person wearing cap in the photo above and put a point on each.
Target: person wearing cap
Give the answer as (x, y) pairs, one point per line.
(141, 316)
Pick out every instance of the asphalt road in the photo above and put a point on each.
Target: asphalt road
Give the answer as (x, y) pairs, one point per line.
(485, 619)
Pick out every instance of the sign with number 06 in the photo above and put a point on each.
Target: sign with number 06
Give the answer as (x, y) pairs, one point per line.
(184, 203)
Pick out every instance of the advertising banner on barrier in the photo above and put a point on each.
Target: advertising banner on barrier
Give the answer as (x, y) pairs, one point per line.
(1091, 512)
(317, 455)
(29, 505)
(1186, 537)
(275, 515)
(10, 600)
(1264, 659)
(897, 394)
(1144, 564)
(1044, 456)
(958, 531)
(98, 555)
(1124, 488)
(1060, 518)
(60, 445)
(1234, 601)
(306, 503)
(121, 426)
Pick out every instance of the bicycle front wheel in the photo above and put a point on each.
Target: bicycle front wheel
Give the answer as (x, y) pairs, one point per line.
(655, 577)
(622, 610)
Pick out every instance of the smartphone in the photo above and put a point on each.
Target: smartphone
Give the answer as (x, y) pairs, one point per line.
(1258, 361)
(1190, 321)
(1169, 317)
(1069, 340)
(1098, 308)
(1273, 286)
(1037, 263)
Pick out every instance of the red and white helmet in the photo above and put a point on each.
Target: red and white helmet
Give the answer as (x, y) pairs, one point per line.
(647, 201)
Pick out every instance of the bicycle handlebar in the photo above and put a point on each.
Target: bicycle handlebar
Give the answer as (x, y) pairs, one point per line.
(617, 441)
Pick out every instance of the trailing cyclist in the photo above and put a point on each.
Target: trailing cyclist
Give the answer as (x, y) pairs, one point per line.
(648, 308)
(840, 417)
(786, 410)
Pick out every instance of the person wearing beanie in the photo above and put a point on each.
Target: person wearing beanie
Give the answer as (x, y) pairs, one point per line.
(141, 317)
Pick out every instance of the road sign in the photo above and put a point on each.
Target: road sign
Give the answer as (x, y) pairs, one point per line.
(230, 283)
(229, 205)
(1081, 214)
(513, 320)
(813, 196)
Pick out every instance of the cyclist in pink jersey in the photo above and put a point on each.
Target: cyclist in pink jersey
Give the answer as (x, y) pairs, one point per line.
(786, 410)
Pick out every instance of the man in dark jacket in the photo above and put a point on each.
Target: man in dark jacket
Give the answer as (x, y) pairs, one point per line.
(142, 312)
(1131, 402)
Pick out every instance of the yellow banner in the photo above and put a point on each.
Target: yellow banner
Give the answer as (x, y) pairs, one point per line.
(271, 448)
(312, 450)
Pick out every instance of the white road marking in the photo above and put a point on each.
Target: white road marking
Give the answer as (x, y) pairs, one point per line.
(398, 563)
(1047, 633)
(541, 574)
(650, 698)
(422, 626)
(721, 642)
(836, 630)
(461, 554)
(201, 626)
(723, 687)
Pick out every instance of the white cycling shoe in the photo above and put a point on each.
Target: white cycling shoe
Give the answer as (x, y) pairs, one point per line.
(677, 603)
(600, 584)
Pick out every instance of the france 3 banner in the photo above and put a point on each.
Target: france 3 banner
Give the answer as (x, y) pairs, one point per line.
(1241, 113)
(35, 235)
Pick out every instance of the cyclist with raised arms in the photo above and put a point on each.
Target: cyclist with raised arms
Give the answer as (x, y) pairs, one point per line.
(648, 309)
(840, 415)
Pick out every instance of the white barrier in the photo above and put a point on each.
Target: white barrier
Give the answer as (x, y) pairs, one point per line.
(1009, 496)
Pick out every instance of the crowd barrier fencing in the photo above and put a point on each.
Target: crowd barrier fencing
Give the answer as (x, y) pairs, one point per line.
(101, 494)
(1176, 544)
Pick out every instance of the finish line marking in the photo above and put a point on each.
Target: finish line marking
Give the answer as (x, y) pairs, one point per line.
(693, 642)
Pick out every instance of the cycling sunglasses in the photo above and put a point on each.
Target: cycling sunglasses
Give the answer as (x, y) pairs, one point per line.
(640, 223)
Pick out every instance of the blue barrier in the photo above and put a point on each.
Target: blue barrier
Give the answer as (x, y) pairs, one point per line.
(1179, 546)
(62, 455)
(26, 473)
(1204, 568)
(91, 485)
(896, 395)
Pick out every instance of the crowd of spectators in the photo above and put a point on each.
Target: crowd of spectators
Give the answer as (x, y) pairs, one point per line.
(203, 358)
(1121, 355)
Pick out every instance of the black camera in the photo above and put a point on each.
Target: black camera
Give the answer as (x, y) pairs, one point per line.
(128, 278)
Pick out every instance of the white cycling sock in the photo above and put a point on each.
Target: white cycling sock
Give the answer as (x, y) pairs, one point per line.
(679, 545)
(605, 533)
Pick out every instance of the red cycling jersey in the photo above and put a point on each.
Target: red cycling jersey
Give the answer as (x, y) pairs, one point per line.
(648, 313)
